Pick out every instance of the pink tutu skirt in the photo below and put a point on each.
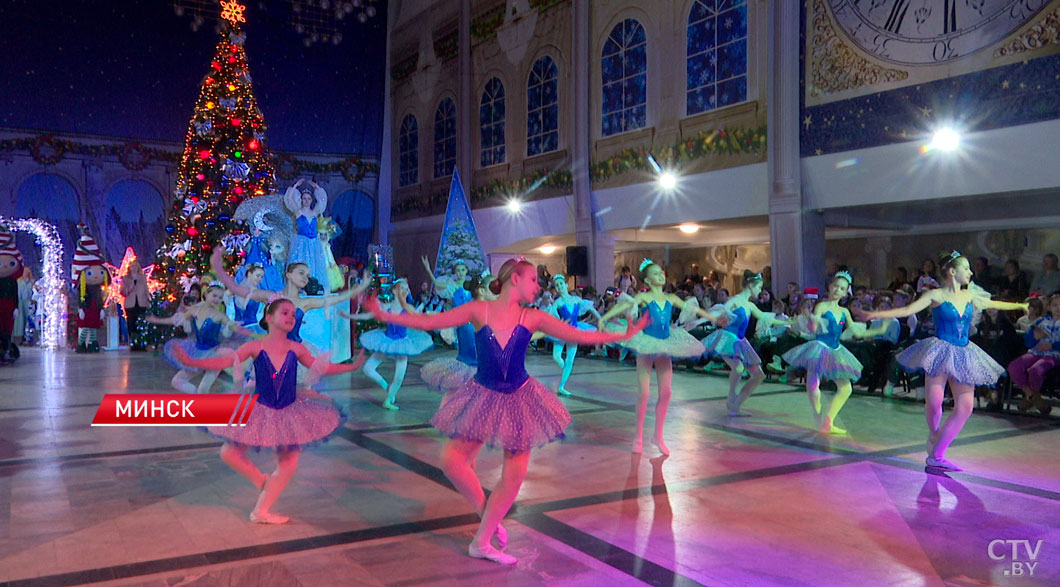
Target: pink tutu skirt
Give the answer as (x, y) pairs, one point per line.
(967, 364)
(518, 421)
(446, 375)
(724, 344)
(303, 423)
(827, 362)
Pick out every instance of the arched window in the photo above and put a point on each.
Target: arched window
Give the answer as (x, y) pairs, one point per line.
(53, 199)
(542, 108)
(717, 55)
(624, 63)
(408, 151)
(132, 217)
(444, 138)
(354, 213)
(491, 122)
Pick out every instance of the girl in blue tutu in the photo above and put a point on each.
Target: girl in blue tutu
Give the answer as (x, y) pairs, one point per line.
(306, 203)
(502, 405)
(655, 346)
(286, 417)
(205, 322)
(446, 375)
(245, 309)
(568, 308)
(394, 341)
(949, 356)
(825, 359)
(731, 345)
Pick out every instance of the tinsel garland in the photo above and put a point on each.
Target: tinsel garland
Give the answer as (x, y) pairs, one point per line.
(48, 150)
(716, 142)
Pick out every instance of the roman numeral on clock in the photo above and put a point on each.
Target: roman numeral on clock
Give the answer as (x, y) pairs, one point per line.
(897, 15)
(949, 17)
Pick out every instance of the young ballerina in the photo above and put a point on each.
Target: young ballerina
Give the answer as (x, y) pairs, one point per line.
(655, 347)
(286, 418)
(825, 359)
(246, 309)
(502, 405)
(306, 204)
(568, 308)
(394, 341)
(730, 343)
(446, 375)
(948, 356)
(295, 278)
(205, 320)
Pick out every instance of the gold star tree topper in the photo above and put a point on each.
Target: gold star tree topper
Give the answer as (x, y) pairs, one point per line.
(233, 12)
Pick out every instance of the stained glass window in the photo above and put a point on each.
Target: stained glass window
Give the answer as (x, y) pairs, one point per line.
(491, 122)
(444, 138)
(717, 54)
(542, 108)
(625, 84)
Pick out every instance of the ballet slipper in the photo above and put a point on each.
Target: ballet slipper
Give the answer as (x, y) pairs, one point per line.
(390, 406)
(490, 553)
(563, 392)
(827, 427)
(268, 518)
(659, 444)
(502, 537)
(735, 411)
(941, 463)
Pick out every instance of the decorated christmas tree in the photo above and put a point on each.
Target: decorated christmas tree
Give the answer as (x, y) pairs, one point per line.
(459, 237)
(226, 160)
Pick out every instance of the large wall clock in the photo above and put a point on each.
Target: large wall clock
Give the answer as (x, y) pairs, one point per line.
(931, 32)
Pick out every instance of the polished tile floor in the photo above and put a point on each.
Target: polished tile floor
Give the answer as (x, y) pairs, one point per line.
(755, 501)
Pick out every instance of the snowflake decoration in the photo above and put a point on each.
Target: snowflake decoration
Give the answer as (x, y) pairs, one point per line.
(233, 12)
(235, 242)
(193, 208)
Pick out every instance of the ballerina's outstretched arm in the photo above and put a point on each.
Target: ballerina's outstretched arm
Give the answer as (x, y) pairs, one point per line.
(218, 266)
(459, 315)
(342, 296)
(538, 320)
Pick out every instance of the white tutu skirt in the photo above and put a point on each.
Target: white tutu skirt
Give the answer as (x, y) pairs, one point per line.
(967, 364)
(189, 346)
(518, 421)
(446, 375)
(827, 362)
(724, 344)
(413, 343)
(679, 344)
(311, 252)
(303, 423)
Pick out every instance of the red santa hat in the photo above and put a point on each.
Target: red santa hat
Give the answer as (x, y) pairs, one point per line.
(87, 254)
(7, 245)
(811, 292)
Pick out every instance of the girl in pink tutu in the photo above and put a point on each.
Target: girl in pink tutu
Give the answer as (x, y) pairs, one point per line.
(502, 405)
(824, 358)
(731, 345)
(656, 346)
(948, 356)
(286, 418)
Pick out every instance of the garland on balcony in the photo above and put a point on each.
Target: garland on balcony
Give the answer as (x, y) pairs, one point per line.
(48, 150)
(716, 142)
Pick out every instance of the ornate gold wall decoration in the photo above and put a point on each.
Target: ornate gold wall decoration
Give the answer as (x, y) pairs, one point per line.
(1044, 32)
(834, 65)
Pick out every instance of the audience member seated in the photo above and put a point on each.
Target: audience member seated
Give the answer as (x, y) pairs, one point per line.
(1043, 355)
(1013, 283)
(1047, 281)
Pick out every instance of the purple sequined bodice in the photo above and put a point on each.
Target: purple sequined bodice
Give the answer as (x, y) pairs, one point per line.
(502, 369)
(275, 389)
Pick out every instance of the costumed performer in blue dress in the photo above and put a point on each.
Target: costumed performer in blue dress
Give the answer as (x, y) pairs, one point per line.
(448, 374)
(731, 345)
(205, 322)
(656, 346)
(394, 341)
(306, 203)
(949, 356)
(568, 308)
(286, 417)
(502, 405)
(824, 358)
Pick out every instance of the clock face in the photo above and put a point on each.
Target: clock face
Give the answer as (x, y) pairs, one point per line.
(928, 32)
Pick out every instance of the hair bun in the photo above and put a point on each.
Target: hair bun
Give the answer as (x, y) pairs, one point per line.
(495, 287)
(264, 325)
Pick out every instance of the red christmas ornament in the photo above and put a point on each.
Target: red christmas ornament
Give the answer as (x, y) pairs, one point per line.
(231, 59)
(238, 190)
(204, 154)
(253, 144)
(192, 231)
(216, 65)
(236, 122)
(200, 177)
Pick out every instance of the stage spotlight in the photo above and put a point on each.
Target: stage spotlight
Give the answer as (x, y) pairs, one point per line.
(945, 139)
(689, 228)
(514, 206)
(547, 250)
(667, 180)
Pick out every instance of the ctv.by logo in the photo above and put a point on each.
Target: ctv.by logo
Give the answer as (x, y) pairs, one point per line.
(1012, 550)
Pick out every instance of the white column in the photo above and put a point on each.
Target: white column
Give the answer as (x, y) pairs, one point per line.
(796, 234)
(385, 185)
